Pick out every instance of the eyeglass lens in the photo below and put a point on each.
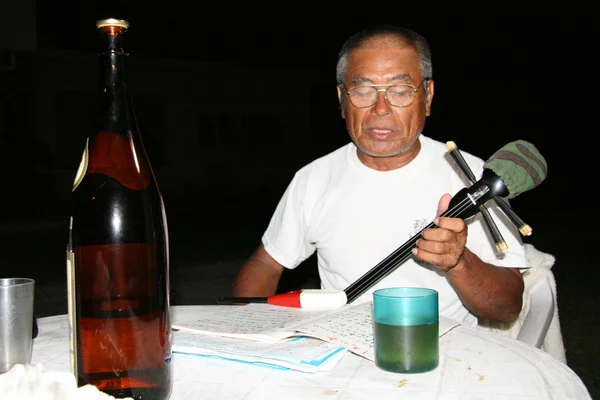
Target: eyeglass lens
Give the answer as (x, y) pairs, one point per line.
(397, 95)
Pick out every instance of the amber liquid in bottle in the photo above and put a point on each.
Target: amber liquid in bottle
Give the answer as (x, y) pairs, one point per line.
(117, 255)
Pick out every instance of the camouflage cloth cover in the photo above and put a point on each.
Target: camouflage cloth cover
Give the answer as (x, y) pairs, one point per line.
(520, 165)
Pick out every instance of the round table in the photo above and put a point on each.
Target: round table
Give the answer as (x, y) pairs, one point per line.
(473, 364)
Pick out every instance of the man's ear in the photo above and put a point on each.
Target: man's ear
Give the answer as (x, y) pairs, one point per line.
(341, 100)
(429, 97)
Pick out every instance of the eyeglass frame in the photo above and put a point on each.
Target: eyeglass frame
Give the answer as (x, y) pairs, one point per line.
(385, 87)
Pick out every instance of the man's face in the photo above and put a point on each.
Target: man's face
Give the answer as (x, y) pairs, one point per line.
(383, 130)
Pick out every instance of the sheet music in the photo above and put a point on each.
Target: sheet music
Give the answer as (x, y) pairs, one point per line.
(261, 322)
(351, 328)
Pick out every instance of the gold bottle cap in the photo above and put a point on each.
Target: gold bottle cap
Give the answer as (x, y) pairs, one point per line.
(121, 23)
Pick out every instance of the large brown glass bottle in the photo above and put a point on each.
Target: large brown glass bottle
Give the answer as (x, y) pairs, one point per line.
(117, 255)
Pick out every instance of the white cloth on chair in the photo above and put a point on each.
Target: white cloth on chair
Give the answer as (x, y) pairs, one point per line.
(540, 267)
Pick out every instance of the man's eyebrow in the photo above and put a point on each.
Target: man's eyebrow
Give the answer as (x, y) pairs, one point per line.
(401, 77)
(361, 79)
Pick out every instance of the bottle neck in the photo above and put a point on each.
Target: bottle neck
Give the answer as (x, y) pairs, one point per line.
(115, 148)
(115, 111)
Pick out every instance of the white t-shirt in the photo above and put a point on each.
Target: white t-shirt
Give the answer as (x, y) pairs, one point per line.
(355, 216)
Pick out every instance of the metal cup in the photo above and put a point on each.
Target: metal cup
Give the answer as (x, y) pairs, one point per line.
(16, 321)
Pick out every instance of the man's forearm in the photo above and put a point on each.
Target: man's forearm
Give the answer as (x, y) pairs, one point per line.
(489, 292)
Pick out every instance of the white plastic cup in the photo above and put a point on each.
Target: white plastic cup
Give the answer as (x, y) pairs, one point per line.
(16, 321)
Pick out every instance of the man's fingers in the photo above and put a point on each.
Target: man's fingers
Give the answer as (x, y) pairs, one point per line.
(443, 203)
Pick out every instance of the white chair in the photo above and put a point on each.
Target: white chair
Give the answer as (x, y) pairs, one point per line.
(538, 324)
(540, 314)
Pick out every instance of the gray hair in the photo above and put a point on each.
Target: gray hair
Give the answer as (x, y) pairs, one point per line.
(406, 35)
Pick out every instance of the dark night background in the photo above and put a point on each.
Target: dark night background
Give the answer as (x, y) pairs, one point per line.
(498, 78)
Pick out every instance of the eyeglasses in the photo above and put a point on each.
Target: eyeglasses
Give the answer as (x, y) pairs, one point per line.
(396, 95)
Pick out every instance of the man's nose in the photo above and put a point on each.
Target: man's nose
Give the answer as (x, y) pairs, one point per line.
(382, 106)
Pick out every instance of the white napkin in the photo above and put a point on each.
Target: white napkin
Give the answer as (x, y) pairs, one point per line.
(30, 382)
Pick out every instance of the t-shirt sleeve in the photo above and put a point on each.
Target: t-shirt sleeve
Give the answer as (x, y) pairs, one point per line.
(285, 238)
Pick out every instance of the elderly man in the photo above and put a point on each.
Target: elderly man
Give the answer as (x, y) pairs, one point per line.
(357, 204)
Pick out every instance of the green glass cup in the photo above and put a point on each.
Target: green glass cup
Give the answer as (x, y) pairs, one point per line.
(406, 329)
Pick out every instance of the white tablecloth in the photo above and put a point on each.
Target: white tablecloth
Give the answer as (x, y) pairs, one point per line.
(473, 365)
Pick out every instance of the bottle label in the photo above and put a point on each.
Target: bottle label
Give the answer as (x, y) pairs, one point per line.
(71, 310)
(83, 165)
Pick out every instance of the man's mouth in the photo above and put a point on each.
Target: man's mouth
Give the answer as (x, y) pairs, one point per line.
(379, 132)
